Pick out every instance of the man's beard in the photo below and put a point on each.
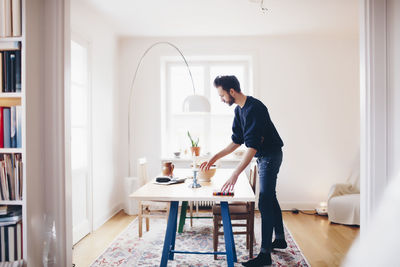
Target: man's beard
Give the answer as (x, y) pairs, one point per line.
(231, 100)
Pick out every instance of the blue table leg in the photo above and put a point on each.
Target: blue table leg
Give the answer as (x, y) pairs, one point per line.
(170, 233)
(228, 234)
(171, 254)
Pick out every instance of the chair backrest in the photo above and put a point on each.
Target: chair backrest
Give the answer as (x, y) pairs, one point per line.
(142, 170)
(253, 177)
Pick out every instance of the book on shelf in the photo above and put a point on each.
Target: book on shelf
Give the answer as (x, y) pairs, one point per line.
(16, 17)
(11, 234)
(11, 70)
(13, 216)
(1, 128)
(2, 19)
(7, 209)
(7, 127)
(11, 242)
(10, 18)
(17, 71)
(7, 17)
(9, 46)
(18, 263)
(3, 209)
(11, 176)
(1, 72)
(11, 127)
(19, 126)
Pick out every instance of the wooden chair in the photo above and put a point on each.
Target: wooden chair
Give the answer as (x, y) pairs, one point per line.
(238, 211)
(148, 208)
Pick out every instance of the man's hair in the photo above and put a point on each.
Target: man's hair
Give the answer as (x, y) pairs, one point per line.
(227, 82)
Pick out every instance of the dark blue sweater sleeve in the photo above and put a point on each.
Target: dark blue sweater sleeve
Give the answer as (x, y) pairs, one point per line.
(237, 133)
(253, 129)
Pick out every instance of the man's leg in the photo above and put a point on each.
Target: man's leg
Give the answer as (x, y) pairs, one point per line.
(266, 200)
(268, 168)
(278, 223)
(279, 241)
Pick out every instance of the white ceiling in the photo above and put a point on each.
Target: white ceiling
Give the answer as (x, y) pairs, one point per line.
(228, 17)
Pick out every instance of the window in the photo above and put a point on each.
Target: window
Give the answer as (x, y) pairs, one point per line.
(213, 129)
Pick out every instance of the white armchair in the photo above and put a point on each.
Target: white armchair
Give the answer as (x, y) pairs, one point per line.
(344, 201)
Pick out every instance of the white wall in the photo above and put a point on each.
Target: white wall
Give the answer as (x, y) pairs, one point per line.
(107, 187)
(309, 83)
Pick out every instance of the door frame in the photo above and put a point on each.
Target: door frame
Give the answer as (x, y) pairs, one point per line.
(374, 92)
(89, 192)
(371, 137)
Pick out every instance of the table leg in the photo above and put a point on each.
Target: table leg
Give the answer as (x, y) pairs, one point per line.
(171, 255)
(191, 213)
(182, 218)
(170, 233)
(228, 234)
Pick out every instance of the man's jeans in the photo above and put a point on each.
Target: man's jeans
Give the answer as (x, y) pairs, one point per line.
(271, 214)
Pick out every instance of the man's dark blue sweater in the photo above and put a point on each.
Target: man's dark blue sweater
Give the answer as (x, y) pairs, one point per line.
(253, 127)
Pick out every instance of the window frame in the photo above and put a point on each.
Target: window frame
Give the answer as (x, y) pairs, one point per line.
(207, 62)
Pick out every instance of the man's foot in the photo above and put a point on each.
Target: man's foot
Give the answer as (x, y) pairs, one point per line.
(261, 260)
(279, 243)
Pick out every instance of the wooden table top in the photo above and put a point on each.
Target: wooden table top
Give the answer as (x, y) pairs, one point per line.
(182, 192)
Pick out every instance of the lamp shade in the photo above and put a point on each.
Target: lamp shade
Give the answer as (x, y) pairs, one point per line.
(196, 103)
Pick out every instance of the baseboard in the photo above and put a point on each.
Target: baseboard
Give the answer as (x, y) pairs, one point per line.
(298, 205)
(103, 219)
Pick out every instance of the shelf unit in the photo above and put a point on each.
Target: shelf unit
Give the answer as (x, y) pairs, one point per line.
(12, 202)
(18, 99)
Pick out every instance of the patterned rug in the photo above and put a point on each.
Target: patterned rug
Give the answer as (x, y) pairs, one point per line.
(130, 250)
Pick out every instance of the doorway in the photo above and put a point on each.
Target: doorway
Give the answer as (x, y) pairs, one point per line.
(80, 129)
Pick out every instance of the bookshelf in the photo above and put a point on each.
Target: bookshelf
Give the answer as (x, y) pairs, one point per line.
(11, 99)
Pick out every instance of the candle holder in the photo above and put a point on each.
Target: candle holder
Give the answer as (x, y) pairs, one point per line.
(195, 184)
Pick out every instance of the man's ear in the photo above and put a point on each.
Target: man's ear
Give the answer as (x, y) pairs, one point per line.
(232, 92)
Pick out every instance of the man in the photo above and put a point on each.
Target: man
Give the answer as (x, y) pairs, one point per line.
(252, 126)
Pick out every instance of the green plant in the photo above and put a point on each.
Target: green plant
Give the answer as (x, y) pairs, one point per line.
(194, 144)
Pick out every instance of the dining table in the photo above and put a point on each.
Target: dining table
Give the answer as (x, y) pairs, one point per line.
(185, 191)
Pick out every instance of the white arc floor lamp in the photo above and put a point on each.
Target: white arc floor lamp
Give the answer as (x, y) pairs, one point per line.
(192, 103)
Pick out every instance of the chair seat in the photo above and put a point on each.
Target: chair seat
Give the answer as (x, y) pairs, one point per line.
(233, 209)
(155, 205)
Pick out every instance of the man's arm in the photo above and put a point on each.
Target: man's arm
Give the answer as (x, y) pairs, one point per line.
(230, 184)
(227, 150)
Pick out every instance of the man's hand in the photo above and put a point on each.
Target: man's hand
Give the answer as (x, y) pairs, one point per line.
(205, 166)
(230, 184)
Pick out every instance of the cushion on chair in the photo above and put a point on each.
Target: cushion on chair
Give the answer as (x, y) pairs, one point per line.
(234, 209)
(344, 209)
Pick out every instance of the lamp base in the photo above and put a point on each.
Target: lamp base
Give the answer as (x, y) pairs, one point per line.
(322, 211)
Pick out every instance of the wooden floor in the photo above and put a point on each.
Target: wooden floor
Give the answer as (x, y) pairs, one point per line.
(86, 251)
(322, 243)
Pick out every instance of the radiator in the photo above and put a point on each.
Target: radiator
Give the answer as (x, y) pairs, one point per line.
(205, 204)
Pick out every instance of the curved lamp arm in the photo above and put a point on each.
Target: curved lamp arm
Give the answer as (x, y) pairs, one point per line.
(133, 82)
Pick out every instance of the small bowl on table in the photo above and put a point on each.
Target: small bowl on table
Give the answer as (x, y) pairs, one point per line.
(205, 176)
